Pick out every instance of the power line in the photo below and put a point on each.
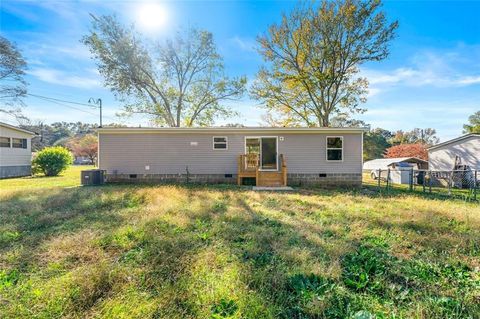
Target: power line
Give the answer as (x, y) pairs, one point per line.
(59, 100)
(71, 107)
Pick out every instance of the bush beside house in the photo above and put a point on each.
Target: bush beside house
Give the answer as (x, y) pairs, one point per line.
(51, 161)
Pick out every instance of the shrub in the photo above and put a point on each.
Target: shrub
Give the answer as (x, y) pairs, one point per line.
(52, 160)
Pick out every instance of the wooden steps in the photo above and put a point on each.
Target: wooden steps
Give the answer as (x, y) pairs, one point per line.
(266, 178)
(248, 166)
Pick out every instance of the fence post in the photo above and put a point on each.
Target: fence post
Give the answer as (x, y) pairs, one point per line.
(475, 186)
(430, 182)
(450, 182)
(379, 179)
(411, 180)
(388, 178)
(424, 176)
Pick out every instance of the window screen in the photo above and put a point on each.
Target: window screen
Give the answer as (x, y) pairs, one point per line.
(19, 142)
(334, 148)
(219, 143)
(4, 141)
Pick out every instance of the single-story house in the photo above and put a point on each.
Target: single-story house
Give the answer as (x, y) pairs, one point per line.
(458, 153)
(400, 168)
(258, 155)
(15, 151)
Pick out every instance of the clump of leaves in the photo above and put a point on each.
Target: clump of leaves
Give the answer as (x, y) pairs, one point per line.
(224, 309)
(366, 268)
(219, 207)
(311, 286)
(8, 278)
(315, 296)
(9, 236)
(202, 230)
(259, 259)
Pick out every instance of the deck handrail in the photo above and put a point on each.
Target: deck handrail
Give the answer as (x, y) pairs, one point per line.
(251, 163)
(249, 166)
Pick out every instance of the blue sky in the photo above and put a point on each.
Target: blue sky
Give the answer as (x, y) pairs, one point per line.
(431, 79)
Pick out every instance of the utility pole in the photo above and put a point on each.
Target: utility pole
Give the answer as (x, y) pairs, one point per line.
(99, 103)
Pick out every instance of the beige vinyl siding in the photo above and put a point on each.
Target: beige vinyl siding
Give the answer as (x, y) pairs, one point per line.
(443, 158)
(306, 153)
(129, 153)
(15, 156)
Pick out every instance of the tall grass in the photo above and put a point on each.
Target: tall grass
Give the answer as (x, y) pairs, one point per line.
(224, 252)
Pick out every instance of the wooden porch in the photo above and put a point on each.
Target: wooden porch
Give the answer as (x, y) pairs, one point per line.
(249, 167)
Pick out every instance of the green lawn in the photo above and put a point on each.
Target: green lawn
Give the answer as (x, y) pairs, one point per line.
(165, 251)
(69, 178)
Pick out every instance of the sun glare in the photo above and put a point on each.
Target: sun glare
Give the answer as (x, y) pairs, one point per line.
(151, 16)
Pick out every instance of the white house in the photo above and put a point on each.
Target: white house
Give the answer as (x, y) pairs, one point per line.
(459, 153)
(15, 151)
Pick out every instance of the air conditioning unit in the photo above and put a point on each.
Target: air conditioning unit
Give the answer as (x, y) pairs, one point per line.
(93, 177)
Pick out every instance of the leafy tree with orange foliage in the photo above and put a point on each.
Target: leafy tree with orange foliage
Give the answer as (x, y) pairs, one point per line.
(407, 150)
(86, 146)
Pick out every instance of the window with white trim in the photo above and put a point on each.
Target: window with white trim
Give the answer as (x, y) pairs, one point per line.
(334, 148)
(220, 143)
(4, 141)
(19, 142)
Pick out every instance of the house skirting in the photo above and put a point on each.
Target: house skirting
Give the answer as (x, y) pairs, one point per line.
(329, 180)
(174, 178)
(322, 180)
(15, 171)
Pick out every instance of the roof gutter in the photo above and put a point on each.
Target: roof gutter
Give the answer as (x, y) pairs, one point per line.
(207, 130)
(15, 128)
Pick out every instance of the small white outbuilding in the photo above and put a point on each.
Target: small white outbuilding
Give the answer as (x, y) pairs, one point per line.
(400, 168)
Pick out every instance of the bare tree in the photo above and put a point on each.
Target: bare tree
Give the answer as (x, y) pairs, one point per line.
(13, 86)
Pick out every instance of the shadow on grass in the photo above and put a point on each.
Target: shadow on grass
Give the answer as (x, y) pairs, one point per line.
(37, 216)
(276, 241)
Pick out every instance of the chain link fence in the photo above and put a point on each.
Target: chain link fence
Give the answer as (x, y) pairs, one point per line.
(464, 184)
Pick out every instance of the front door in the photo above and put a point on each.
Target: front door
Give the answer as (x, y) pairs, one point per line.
(266, 147)
(269, 153)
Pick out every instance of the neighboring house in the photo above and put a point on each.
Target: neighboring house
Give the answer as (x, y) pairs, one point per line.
(459, 153)
(260, 156)
(15, 151)
(400, 168)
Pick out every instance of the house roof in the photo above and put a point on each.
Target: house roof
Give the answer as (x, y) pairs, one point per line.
(230, 130)
(17, 129)
(458, 139)
(386, 162)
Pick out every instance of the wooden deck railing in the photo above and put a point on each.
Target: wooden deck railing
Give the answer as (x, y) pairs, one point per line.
(249, 166)
(248, 163)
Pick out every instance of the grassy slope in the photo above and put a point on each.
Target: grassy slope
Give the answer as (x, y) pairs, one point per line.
(222, 252)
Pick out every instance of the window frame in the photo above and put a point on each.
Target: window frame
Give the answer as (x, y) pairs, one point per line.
(334, 148)
(24, 143)
(216, 143)
(9, 142)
